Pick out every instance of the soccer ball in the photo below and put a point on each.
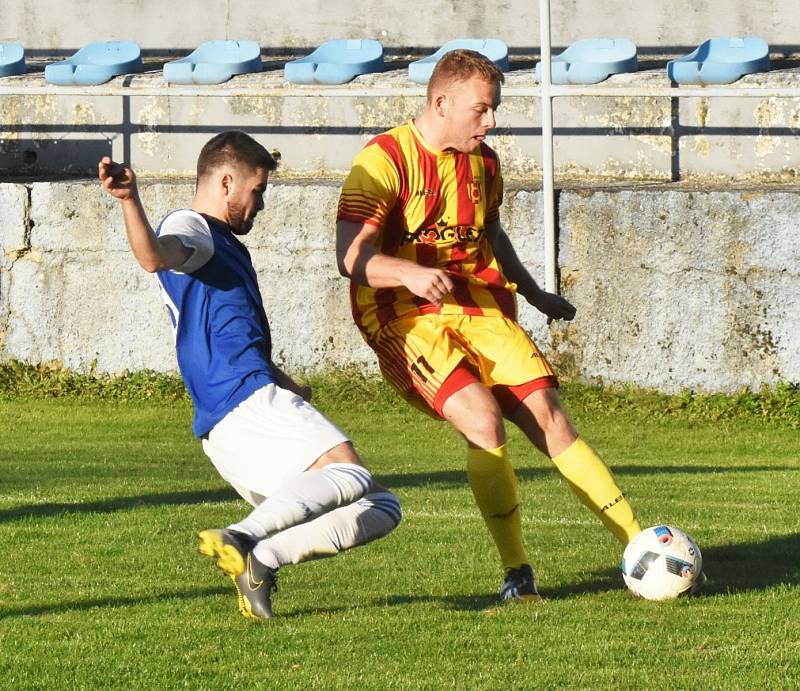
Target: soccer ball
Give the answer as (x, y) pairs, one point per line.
(661, 563)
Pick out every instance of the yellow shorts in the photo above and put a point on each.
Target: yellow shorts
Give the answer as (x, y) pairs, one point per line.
(428, 358)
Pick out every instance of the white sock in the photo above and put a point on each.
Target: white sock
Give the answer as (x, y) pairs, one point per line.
(305, 497)
(371, 517)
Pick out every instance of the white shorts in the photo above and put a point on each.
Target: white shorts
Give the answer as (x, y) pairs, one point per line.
(268, 439)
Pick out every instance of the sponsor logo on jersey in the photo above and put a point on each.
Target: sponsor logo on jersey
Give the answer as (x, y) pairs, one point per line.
(443, 233)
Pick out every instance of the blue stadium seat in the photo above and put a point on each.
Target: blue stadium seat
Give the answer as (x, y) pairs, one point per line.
(214, 62)
(720, 61)
(12, 59)
(336, 62)
(493, 48)
(96, 63)
(592, 60)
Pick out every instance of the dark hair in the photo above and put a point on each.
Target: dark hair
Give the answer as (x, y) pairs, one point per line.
(460, 65)
(237, 148)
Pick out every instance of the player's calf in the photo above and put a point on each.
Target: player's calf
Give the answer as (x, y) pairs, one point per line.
(305, 497)
(372, 517)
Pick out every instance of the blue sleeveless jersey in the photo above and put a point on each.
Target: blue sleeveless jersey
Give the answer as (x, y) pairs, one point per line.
(222, 335)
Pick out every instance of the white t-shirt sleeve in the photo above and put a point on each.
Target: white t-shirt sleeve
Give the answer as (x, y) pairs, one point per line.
(193, 232)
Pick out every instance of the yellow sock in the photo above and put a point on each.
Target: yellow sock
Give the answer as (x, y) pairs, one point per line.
(494, 486)
(594, 484)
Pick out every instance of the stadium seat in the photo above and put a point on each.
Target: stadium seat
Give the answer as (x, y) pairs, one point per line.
(96, 63)
(720, 61)
(592, 60)
(336, 62)
(214, 62)
(493, 48)
(12, 59)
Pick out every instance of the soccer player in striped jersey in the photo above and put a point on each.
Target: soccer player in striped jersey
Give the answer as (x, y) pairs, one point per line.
(434, 280)
(311, 495)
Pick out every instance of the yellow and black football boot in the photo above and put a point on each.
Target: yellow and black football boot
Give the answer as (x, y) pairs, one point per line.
(255, 586)
(228, 547)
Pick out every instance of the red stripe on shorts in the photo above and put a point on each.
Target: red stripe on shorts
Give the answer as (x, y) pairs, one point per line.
(510, 397)
(460, 377)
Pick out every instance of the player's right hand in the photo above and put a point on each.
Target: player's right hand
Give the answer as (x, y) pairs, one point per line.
(425, 282)
(116, 178)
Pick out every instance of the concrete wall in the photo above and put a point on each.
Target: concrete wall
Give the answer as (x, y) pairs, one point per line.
(674, 288)
(643, 138)
(598, 138)
(64, 24)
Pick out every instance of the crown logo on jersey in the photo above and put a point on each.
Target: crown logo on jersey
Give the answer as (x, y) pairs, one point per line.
(474, 189)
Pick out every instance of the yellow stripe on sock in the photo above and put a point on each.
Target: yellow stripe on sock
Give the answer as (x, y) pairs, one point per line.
(494, 486)
(595, 486)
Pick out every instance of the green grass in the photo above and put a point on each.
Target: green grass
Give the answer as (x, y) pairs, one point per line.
(100, 587)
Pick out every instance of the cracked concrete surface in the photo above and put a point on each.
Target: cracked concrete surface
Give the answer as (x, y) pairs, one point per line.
(674, 288)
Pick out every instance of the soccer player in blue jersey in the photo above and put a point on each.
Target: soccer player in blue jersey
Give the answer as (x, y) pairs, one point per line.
(312, 495)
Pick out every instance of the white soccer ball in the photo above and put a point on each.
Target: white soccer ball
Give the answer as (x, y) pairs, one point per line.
(661, 563)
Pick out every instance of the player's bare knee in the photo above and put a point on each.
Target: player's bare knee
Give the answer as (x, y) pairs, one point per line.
(550, 416)
(483, 430)
(558, 432)
(490, 429)
(552, 420)
(474, 413)
(341, 453)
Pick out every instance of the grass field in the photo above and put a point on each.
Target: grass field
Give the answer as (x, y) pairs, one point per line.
(100, 586)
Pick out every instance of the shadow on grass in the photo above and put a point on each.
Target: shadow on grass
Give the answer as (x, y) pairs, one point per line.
(476, 603)
(607, 580)
(752, 565)
(739, 568)
(698, 469)
(442, 479)
(456, 478)
(465, 603)
(731, 569)
(82, 605)
(116, 504)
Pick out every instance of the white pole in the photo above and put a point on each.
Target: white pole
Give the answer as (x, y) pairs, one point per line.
(547, 151)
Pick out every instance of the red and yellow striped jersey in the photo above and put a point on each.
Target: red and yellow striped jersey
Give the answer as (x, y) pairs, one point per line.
(432, 207)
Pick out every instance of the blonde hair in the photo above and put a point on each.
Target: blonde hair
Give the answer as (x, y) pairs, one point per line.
(461, 65)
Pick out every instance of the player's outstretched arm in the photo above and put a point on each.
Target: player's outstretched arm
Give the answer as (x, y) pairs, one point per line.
(359, 259)
(554, 306)
(152, 253)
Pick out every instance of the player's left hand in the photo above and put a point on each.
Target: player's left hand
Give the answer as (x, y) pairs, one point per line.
(305, 393)
(553, 305)
(117, 179)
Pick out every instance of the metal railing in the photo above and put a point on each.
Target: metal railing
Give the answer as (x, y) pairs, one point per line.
(548, 92)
